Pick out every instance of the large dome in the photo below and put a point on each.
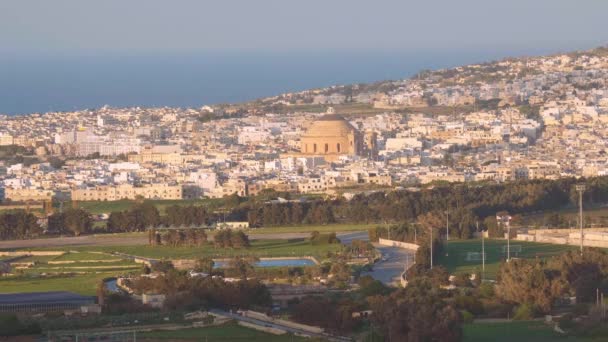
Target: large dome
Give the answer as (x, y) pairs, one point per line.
(330, 126)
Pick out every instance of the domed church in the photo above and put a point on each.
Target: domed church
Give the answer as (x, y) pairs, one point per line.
(331, 136)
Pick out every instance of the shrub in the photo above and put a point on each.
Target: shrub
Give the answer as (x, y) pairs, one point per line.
(524, 312)
(467, 317)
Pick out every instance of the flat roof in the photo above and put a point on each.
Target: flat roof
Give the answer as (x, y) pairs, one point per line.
(52, 297)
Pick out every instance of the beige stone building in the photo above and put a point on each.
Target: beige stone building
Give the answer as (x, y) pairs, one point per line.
(330, 137)
(23, 195)
(128, 191)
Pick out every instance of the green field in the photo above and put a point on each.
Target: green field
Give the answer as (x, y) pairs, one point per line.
(260, 248)
(456, 259)
(101, 207)
(81, 274)
(226, 332)
(84, 284)
(521, 331)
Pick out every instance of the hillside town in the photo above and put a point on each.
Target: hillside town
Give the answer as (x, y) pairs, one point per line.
(528, 118)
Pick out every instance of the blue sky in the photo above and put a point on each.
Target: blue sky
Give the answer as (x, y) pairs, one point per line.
(172, 26)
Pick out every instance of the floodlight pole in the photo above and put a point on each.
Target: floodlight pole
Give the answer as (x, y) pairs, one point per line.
(508, 242)
(483, 254)
(580, 188)
(431, 247)
(447, 231)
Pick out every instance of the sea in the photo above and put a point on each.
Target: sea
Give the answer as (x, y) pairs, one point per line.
(39, 83)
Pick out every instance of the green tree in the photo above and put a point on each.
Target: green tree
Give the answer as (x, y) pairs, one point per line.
(243, 266)
(204, 264)
(416, 313)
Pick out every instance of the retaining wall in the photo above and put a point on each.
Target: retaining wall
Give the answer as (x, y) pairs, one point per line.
(400, 244)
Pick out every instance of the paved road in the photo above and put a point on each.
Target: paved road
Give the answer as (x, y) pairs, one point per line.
(129, 240)
(390, 270)
(276, 326)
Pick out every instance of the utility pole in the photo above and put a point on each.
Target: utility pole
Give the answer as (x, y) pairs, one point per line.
(580, 188)
(483, 253)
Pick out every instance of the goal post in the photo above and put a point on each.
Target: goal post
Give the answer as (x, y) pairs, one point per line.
(475, 256)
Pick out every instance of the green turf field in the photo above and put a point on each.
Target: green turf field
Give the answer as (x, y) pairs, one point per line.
(226, 332)
(85, 284)
(521, 331)
(457, 251)
(260, 248)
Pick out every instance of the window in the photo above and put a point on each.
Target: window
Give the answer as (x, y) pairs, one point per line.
(338, 147)
(326, 148)
(314, 148)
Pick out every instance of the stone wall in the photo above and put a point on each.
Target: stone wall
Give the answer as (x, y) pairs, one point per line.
(392, 243)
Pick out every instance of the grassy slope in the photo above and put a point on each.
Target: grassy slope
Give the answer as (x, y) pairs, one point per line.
(456, 261)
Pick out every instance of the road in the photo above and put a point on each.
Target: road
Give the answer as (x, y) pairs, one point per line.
(389, 271)
(276, 326)
(142, 239)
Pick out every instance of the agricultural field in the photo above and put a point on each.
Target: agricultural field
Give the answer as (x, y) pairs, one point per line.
(84, 284)
(536, 331)
(226, 332)
(72, 271)
(465, 255)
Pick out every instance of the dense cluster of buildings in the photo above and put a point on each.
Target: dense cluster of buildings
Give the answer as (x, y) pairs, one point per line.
(543, 117)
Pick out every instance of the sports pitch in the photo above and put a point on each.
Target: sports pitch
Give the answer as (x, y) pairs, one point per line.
(465, 255)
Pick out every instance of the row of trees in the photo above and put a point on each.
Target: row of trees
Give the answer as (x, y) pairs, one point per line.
(227, 238)
(318, 212)
(136, 219)
(177, 237)
(71, 221)
(467, 204)
(18, 225)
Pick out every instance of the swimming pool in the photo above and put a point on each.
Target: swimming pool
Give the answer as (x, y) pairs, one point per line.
(282, 262)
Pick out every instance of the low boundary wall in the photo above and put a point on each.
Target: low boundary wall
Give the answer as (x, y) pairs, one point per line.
(400, 244)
